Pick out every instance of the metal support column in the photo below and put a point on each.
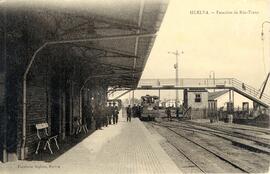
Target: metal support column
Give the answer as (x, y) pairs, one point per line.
(129, 102)
(133, 102)
(233, 96)
(230, 95)
(5, 119)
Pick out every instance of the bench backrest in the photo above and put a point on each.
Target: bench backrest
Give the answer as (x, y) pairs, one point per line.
(42, 126)
(42, 130)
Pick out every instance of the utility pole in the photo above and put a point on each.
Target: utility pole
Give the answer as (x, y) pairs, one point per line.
(268, 75)
(158, 94)
(214, 83)
(176, 67)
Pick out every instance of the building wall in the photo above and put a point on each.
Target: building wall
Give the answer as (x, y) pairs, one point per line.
(36, 113)
(198, 113)
(197, 105)
(238, 100)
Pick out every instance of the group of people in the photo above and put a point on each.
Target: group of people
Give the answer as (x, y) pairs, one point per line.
(169, 114)
(135, 111)
(106, 115)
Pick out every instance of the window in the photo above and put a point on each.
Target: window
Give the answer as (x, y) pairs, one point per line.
(198, 98)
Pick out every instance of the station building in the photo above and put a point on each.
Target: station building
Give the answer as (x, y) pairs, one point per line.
(58, 62)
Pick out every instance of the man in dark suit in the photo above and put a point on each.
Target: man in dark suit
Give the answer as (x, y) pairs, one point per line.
(129, 113)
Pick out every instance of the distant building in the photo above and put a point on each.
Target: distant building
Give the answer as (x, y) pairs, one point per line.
(197, 99)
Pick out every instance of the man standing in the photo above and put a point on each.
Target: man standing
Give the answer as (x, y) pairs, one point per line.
(177, 112)
(168, 112)
(128, 114)
(139, 111)
(102, 116)
(105, 116)
(97, 117)
(115, 114)
(134, 110)
(110, 113)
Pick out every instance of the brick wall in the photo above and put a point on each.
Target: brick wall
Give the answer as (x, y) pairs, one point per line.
(37, 105)
(36, 113)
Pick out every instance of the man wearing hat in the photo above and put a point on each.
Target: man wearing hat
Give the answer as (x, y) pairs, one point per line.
(115, 113)
(110, 113)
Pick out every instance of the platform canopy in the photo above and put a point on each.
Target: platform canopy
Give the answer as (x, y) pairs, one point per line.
(123, 33)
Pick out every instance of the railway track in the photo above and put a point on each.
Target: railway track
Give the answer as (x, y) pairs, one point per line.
(259, 130)
(260, 144)
(231, 131)
(187, 157)
(217, 154)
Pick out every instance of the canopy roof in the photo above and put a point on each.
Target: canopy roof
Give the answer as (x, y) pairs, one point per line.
(123, 33)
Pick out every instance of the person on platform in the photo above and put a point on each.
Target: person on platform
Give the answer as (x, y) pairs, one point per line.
(97, 117)
(168, 112)
(129, 112)
(177, 112)
(108, 114)
(110, 110)
(139, 110)
(105, 116)
(115, 114)
(134, 108)
(102, 116)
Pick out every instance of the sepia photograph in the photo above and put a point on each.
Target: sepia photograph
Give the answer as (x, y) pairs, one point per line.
(134, 86)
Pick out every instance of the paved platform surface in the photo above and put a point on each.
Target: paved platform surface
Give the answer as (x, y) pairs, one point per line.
(125, 148)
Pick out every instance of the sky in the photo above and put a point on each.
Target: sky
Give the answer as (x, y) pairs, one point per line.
(222, 43)
(228, 44)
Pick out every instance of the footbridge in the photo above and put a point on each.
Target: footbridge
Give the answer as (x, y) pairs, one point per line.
(204, 83)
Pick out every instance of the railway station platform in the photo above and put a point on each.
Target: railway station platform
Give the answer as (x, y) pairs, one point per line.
(125, 148)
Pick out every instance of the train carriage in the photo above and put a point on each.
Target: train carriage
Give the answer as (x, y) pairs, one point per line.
(149, 107)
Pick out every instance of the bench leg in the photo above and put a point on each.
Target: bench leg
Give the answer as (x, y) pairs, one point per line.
(45, 146)
(77, 131)
(84, 129)
(49, 146)
(36, 152)
(55, 140)
(85, 126)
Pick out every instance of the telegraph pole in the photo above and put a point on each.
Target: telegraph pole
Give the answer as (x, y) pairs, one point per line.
(214, 83)
(176, 66)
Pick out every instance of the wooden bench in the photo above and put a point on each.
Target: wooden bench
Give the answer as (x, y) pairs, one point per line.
(44, 137)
